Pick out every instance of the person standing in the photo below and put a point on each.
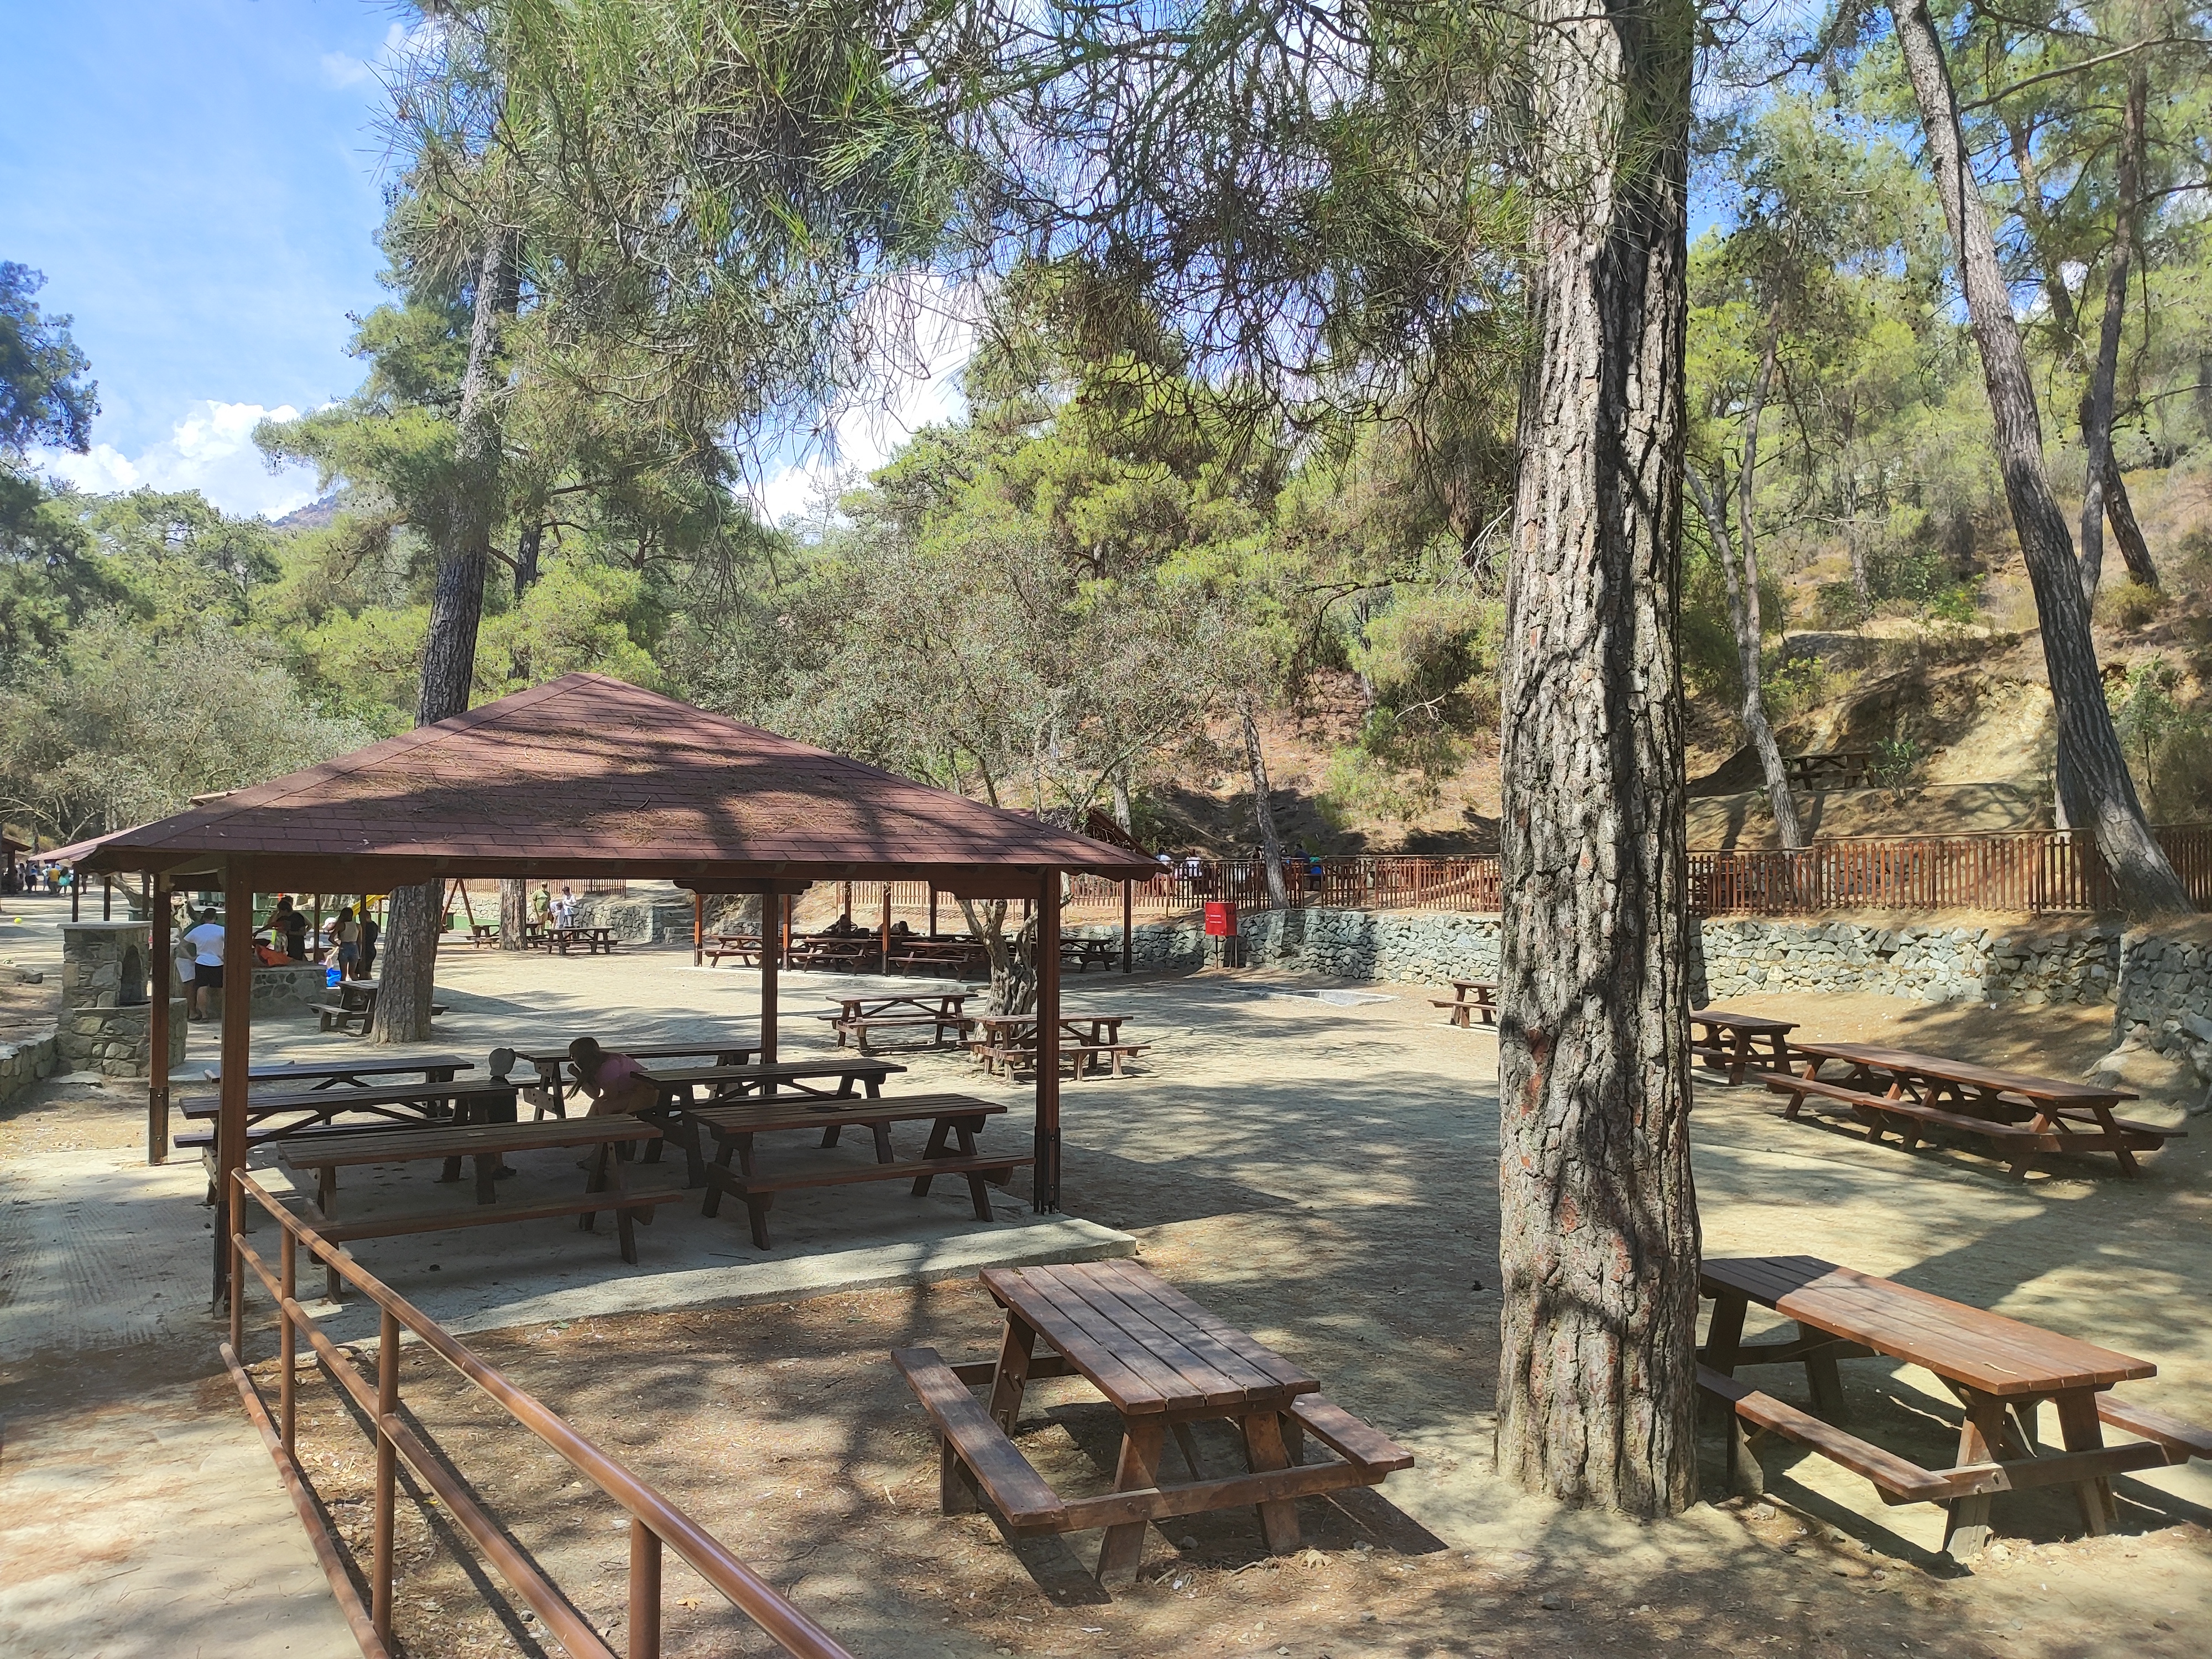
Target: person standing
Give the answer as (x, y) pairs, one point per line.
(541, 907)
(345, 934)
(369, 931)
(205, 940)
(288, 929)
(564, 909)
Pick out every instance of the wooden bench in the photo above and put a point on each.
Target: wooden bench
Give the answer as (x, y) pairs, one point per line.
(1081, 1057)
(1899, 1479)
(953, 1119)
(936, 1025)
(1732, 1043)
(2020, 1144)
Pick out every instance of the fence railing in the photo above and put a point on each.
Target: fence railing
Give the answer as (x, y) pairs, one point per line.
(2030, 872)
(654, 1523)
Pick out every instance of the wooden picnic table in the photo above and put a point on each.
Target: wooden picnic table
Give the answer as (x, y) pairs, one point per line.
(682, 1090)
(557, 1079)
(1732, 1042)
(959, 955)
(835, 950)
(596, 941)
(483, 932)
(399, 1105)
(1083, 954)
(2024, 1117)
(485, 1145)
(937, 1012)
(1004, 1042)
(1470, 997)
(2001, 1369)
(1164, 1364)
(950, 1150)
(745, 947)
(1835, 768)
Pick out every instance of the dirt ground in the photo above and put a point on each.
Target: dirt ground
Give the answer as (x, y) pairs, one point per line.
(1325, 1177)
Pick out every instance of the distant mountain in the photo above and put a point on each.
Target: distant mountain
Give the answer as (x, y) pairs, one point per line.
(313, 516)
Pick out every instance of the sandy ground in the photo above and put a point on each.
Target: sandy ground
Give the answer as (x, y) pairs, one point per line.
(1323, 1176)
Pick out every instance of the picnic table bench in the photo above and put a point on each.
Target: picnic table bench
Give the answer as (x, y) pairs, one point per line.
(483, 932)
(557, 1079)
(679, 1090)
(2001, 1370)
(958, 956)
(595, 941)
(356, 1001)
(1470, 997)
(1163, 1362)
(835, 951)
(1732, 1043)
(1007, 1042)
(2024, 1117)
(1835, 768)
(485, 1145)
(314, 1112)
(950, 1150)
(745, 947)
(937, 1012)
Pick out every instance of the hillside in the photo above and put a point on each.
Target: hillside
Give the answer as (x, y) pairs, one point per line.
(1970, 697)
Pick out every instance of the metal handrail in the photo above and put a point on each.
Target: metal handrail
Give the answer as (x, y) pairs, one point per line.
(653, 1520)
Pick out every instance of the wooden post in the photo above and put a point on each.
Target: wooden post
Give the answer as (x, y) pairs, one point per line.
(644, 1591)
(887, 928)
(845, 905)
(76, 894)
(160, 971)
(237, 1028)
(767, 964)
(108, 898)
(1128, 913)
(933, 910)
(1045, 1176)
(699, 929)
(387, 1406)
(790, 904)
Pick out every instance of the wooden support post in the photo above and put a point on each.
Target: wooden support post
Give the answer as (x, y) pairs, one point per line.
(699, 929)
(933, 910)
(845, 905)
(790, 904)
(644, 1591)
(886, 930)
(1128, 914)
(768, 967)
(387, 1406)
(159, 972)
(76, 894)
(1045, 1175)
(237, 1031)
(108, 898)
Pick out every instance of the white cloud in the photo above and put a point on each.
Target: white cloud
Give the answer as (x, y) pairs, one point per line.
(920, 389)
(342, 70)
(211, 450)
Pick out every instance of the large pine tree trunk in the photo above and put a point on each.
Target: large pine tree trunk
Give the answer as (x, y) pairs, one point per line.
(2097, 418)
(514, 913)
(1598, 1235)
(449, 654)
(2093, 773)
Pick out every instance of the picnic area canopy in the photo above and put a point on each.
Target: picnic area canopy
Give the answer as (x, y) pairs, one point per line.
(594, 776)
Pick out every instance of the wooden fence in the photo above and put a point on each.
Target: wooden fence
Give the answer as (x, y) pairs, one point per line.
(2033, 872)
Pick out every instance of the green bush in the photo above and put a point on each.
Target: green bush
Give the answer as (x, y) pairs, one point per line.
(2129, 605)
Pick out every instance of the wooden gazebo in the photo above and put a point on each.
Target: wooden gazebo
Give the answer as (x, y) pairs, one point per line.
(603, 779)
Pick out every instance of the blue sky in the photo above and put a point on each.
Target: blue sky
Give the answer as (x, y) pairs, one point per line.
(199, 180)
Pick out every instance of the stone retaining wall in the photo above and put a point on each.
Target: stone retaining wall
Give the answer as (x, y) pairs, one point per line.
(2161, 981)
(22, 1064)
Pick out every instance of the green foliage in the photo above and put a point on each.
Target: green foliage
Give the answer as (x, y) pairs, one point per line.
(578, 616)
(120, 726)
(2167, 742)
(2129, 605)
(1897, 767)
(43, 396)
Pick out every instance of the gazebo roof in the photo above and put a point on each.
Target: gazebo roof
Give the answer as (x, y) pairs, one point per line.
(594, 776)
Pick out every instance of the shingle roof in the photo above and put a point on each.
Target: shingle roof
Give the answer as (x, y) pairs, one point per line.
(594, 775)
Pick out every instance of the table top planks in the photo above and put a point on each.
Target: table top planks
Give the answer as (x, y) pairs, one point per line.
(1968, 1346)
(783, 1071)
(1903, 1063)
(1146, 1347)
(346, 1071)
(464, 1140)
(1724, 1019)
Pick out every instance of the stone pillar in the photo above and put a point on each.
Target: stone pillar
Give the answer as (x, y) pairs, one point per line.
(106, 1019)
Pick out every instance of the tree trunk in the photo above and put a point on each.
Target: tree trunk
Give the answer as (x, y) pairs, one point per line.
(449, 653)
(1598, 1234)
(2099, 795)
(1745, 619)
(1124, 814)
(2097, 418)
(2119, 511)
(527, 547)
(1013, 966)
(1263, 809)
(514, 913)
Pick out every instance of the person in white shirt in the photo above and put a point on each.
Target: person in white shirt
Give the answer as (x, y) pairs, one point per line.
(206, 942)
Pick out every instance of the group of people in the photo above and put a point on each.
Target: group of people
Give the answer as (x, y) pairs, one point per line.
(546, 911)
(282, 940)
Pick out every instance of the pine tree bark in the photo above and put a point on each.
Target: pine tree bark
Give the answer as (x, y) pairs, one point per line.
(514, 913)
(2093, 773)
(1744, 617)
(2097, 417)
(449, 653)
(1263, 809)
(1598, 1242)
